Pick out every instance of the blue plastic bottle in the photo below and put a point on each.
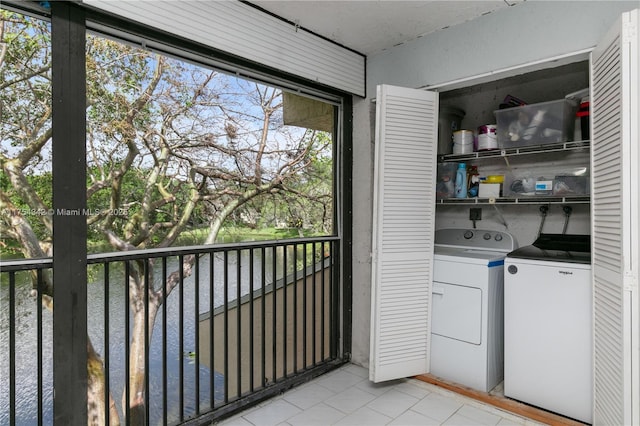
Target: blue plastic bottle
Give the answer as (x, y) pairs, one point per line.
(461, 181)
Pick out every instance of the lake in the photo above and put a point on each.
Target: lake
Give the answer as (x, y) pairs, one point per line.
(26, 336)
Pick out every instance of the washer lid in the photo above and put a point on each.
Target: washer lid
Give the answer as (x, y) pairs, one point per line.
(557, 248)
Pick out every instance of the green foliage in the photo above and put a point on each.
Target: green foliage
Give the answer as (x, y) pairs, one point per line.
(170, 146)
(25, 79)
(42, 184)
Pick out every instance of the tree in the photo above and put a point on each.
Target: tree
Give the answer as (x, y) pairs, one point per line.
(166, 142)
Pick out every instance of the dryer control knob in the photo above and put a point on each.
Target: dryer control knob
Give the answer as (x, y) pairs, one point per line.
(468, 235)
(487, 236)
(513, 269)
(498, 237)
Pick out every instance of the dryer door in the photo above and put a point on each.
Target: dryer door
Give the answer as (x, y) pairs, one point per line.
(457, 312)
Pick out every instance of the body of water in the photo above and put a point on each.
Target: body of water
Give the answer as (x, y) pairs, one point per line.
(115, 298)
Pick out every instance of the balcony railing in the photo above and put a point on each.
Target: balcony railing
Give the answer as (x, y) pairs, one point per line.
(226, 326)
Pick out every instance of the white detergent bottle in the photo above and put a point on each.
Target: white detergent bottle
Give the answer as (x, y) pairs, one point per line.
(461, 181)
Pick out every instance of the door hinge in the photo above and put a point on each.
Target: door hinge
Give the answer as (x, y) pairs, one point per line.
(629, 32)
(630, 282)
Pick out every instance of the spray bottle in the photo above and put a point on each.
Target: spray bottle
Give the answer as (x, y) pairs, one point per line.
(473, 181)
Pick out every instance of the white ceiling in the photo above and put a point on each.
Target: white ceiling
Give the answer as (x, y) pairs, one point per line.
(370, 27)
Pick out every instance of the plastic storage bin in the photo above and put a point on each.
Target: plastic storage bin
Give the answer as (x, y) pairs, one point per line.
(536, 124)
(445, 185)
(570, 185)
(546, 180)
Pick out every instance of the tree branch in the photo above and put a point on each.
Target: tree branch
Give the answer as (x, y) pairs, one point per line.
(26, 192)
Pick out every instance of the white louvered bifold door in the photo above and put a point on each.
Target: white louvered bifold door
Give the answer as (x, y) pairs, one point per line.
(403, 226)
(615, 216)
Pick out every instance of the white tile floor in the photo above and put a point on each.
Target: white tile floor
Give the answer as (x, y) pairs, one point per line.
(347, 397)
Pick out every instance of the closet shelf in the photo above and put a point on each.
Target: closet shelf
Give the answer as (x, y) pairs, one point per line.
(511, 152)
(574, 199)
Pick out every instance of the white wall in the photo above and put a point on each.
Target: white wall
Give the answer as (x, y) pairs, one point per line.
(526, 32)
(522, 34)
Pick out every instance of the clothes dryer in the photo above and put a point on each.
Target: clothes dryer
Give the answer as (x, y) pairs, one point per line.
(467, 306)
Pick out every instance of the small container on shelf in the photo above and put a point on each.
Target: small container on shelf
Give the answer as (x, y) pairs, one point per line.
(463, 142)
(461, 181)
(445, 183)
(570, 185)
(522, 183)
(473, 181)
(582, 117)
(491, 186)
(536, 124)
(544, 186)
(487, 137)
(581, 128)
(489, 190)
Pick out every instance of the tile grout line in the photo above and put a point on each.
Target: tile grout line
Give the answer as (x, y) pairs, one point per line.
(404, 387)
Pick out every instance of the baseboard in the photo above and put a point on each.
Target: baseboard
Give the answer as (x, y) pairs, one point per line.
(502, 402)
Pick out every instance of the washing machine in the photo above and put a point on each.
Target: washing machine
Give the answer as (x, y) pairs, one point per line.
(467, 306)
(548, 325)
